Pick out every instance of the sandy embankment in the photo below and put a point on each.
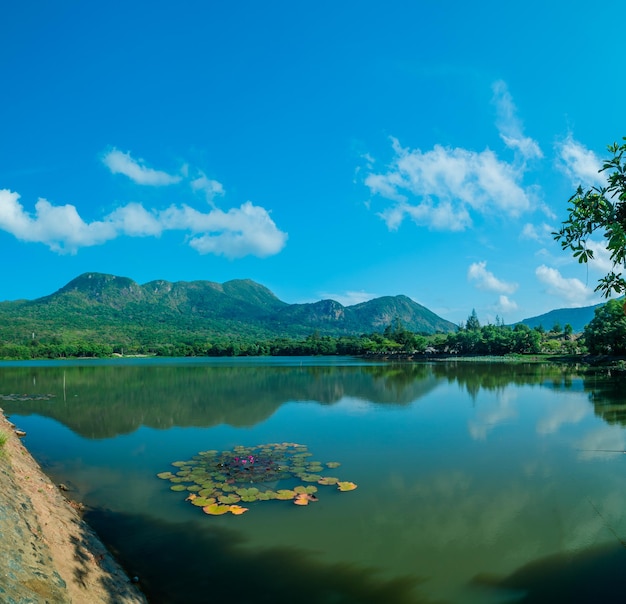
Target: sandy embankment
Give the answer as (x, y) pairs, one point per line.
(48, 554)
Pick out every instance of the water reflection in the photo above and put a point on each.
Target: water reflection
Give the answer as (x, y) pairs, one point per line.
(593, 575)
(215, 565)
(477, 376)
(476, 481)
(105, 401)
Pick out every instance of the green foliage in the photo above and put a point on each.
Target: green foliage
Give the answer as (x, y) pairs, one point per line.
(473, 324)
(495, 340)
(606, 333)
(600, 210)
(98, 315)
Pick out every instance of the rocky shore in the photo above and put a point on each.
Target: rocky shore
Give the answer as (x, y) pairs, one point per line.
(48, 554)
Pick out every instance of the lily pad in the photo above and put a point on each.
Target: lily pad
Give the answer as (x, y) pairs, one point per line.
(228, 498)
(237, 510)
(203, 501)
(217, 480)
(285, 494)
(328, 480)
(302, 489)
(310, 477)
(252, 491)
(215, 509)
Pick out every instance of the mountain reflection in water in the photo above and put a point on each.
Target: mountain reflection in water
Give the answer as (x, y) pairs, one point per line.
(478, 483)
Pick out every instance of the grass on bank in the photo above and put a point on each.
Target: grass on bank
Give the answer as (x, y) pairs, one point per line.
(3, 441)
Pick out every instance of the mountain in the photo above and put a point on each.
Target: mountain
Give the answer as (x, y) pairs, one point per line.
(576, 317)
(94, 303)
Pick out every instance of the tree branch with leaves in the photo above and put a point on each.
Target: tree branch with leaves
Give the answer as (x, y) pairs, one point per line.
(600, 210)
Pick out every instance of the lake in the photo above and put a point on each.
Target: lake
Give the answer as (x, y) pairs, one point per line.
(477, 482)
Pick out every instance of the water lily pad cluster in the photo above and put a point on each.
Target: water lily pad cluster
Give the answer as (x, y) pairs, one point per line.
(220, 481)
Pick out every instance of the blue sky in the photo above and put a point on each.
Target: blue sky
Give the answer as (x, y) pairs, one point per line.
(343, 150)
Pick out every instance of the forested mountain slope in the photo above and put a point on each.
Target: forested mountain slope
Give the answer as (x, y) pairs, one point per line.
(112, 308)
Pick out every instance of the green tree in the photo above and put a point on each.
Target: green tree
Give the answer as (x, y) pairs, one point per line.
(600, 210)
(606, 332)
(525, 339)
(472, 324)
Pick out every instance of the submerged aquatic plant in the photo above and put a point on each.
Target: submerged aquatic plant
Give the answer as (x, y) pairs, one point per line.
(218, 481)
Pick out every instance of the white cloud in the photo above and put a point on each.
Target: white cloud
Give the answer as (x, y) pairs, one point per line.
(540, 233)
(441, 187)
(570, 411)
(580, 164)
(572, 291)
(247, 230)
(349, 298)
(492, 414)
(488, 281)
(510, 127)
(135, 221)
(211, 188)
(505, 304)
(58, 227)
(603, 442)
(123, 163)
(243, 231)
(601, 261)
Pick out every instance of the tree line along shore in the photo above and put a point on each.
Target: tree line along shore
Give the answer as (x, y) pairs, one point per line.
(605, 334)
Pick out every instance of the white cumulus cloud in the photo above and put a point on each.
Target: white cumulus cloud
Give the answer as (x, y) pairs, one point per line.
(580, 164)
(247, 230)
(134, 220)
(505, 305)
(571, 291)
(486, 280)
(243, 231)
(540, 233)
(59, 227)
(440, 188)
(122, 163)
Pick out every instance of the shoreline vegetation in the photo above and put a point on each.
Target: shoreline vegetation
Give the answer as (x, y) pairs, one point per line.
(395, 340)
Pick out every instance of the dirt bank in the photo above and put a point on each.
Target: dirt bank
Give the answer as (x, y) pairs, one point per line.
(48, 554)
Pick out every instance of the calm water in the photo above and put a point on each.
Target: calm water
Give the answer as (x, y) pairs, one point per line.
(476, 482)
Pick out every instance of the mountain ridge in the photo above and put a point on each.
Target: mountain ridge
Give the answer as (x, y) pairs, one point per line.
(94, 301)
(577, 317)
(93, 304)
